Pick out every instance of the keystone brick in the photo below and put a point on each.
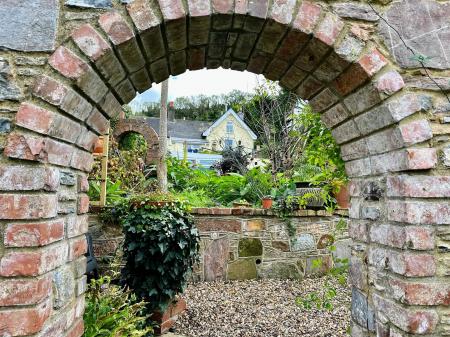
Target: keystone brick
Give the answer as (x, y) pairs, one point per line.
(329, 29)
(418, 186)
(419, 212)
(26, 178)
(307, 17)
(24, 292)
(24, 322)
(13, 206)
(33, 234)
(410, 320)
(33, 263)
(409, 237)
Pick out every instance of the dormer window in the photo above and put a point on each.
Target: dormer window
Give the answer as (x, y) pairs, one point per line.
(230, 127)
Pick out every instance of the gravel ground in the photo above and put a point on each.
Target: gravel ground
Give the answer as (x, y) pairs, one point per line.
(263, 308)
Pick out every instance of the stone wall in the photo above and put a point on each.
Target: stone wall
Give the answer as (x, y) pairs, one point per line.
(67, 66)
(247, 243)
(239, 244)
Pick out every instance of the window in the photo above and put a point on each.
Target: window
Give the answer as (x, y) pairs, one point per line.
(228, 143)
(230, 127)
(193, 148)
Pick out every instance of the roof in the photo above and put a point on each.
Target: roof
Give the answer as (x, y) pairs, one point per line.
(235, 115)
(180, 128)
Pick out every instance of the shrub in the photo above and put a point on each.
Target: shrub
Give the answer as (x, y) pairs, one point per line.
(160, 248)
(113, 311)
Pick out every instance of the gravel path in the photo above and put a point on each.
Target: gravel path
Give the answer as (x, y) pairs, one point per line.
(263, 308)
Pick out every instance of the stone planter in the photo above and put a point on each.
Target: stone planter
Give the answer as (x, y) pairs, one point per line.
(167, 319)
(314, 202)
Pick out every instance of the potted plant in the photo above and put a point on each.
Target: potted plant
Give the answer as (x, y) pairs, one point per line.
(343, 196)
(267, 201)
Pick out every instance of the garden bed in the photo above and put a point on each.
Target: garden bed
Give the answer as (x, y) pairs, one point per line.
(262, 308)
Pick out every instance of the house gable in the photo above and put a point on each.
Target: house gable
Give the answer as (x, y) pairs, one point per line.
(224, 118)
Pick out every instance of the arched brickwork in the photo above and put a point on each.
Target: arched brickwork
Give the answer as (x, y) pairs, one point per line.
(391, 122)
(151, 137)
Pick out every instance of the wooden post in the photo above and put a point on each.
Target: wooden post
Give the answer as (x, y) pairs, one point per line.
(162, 165)
(104, 163)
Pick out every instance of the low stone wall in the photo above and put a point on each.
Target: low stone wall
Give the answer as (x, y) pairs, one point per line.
(248, 243)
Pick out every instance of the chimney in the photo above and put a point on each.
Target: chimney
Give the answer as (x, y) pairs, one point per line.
(171, 112)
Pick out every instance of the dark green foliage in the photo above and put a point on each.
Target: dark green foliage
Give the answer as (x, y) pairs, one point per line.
(160, 248)
(132, 141)
(113, 311)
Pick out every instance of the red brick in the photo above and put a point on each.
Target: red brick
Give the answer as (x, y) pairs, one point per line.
(329, 29)
(418, 293)
(372, 62)
(309, 87)
(76, 330)
(172, 9)
(116, 27)
(307, 17)
(24, 146)
(83, 183)
(24, 292)
(196, 58)
(416, 132)
(418, 186)
(77, 247)
(33, 234)
(82, 160)
(90, 42)
(49, 90)
(351, 79)
(240, 6)
(410, 320)
(390, 83)
(143, 14)
(25, 322)
(358, 231)
(87, 140)
(33, 263)
(56, 153)
(28, 178)
(419, 212)
(282, 11)
(83, 204)
(292, 44)
(34, 118)
(98, 122)
(67, 63)
(14, 206)
(404, 237)
(223, 6)
(421, 159)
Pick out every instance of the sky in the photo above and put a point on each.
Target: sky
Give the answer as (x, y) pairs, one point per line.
(206, 82)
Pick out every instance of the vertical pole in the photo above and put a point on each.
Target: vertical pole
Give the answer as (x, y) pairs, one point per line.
(104, 164)
(162, 165)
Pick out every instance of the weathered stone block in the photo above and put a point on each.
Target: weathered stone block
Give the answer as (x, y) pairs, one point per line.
(215, 259)
(28, 25)
(303, 242)
(355, 11)
(279, 270)
(242, 269)
(250, 247)
(8, 88)
(63, 286)
(89, 3)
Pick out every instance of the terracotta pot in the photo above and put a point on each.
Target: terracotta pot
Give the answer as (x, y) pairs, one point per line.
(343, 197)
(267, 203)
(98, 148)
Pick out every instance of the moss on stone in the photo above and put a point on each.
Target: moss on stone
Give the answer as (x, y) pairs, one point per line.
(242, 269)
(250, 247)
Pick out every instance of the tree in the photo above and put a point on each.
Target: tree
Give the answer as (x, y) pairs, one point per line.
(271, 115)
(162, 165)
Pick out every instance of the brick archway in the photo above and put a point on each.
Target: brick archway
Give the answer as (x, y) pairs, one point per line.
(390, 121)
(151, 137)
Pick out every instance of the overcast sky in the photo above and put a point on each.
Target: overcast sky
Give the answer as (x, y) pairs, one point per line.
(206, 82)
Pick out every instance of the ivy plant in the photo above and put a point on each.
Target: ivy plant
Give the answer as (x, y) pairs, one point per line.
(160, 248)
